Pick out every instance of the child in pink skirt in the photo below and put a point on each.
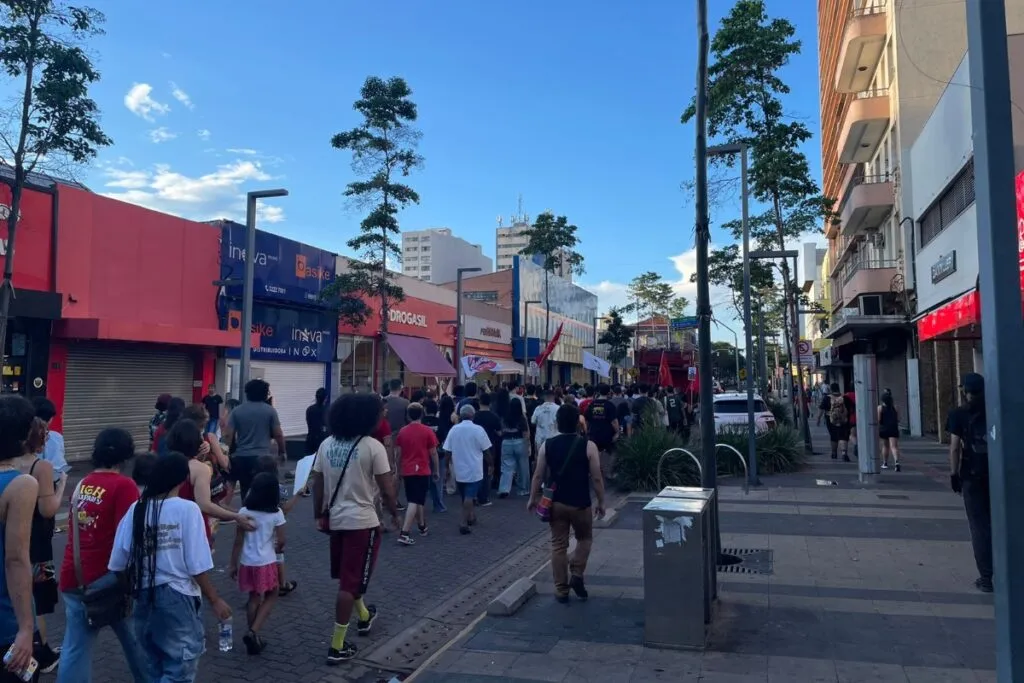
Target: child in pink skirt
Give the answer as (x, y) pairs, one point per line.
(254, 556)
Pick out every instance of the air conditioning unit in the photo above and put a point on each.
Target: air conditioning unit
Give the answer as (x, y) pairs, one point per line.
(871, 304)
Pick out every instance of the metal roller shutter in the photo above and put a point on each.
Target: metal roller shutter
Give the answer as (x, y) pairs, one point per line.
(116, 386)
(293, 386)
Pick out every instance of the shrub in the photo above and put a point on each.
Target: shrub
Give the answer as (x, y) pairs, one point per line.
(783, 415)
(779, 450)
(636, 461)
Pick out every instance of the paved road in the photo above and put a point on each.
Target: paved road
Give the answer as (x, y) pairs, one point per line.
(408, 583)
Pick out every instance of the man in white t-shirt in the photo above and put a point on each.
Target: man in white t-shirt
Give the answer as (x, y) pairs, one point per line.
(546, 426)
(350, 469)
(468, 443)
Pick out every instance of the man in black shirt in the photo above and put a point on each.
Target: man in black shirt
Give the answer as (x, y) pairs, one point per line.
(570, 464)
(968, 472)
(486, 418)
(316, 422)
(603, 426)
(674, 408)
(213, 401)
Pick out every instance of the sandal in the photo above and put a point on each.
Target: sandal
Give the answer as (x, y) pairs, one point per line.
(287, 588)
(253, 643)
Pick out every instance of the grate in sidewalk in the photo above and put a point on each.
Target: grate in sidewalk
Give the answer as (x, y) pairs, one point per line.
(751, 561)
(892, 496)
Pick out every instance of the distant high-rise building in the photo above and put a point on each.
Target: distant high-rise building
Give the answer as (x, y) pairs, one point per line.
(435, 255)
(511, 242)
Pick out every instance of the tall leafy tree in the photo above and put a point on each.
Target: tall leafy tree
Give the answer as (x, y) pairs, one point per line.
(745, 104)
(618, 336)
(677, 307)
(554, 240)
(52, 122)
(383, 149)
(650, 295)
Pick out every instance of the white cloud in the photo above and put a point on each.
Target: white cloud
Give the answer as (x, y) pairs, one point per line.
(242, 150)
(181, 96)
(217, 194)
(165, 55)
(161, 134)
(140, 102)
(203, 134)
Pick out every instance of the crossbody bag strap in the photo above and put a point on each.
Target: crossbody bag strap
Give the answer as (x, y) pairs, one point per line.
(568, 457)
(337, 486)
(76, 534)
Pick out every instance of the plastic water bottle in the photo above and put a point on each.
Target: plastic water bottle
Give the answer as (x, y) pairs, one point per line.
(226, 636)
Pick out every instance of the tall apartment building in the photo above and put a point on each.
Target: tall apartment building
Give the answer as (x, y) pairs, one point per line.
(511, 242)
(882, 66)
(435, 255)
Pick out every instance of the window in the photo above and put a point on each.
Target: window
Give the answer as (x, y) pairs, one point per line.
(422, 268)
(956, 198)
(736, 407)
(412, 238)
(425, 249)
(412, 248)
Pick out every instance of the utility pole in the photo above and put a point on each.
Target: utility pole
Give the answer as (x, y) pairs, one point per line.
(709, 464)
(999, 284)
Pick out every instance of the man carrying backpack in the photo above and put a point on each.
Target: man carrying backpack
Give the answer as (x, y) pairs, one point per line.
(968, 472)
(837, 410)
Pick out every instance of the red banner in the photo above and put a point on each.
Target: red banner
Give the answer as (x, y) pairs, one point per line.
(664, 374)
(551, 345)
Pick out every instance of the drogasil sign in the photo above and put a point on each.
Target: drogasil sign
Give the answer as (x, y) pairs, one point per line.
(407, 318)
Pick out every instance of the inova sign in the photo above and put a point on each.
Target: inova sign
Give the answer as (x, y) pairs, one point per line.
(407, 318)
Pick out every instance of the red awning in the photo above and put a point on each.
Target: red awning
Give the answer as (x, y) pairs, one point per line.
(117, 330)
(960, 312)
(420, 356)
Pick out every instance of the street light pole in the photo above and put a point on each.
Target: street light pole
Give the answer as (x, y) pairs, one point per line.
(593, 373)
(460, 342)
(245, 350)
(526, 337)
(999, 284)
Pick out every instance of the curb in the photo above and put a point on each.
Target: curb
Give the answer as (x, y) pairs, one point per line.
(512, 598)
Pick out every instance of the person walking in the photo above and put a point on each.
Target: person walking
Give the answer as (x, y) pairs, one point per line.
(969, 472)
(603, 427)
(161, 544)
(98, 504)
(491, 422)
(515, 454)
(836, 410)
(162, 402)
(469, 445)
(254, 556)
(316, 422)
(250, 429)
(889, 431)
(213, 403)
(350, 471)
(544, 419)
(570, 465)
(416, 450)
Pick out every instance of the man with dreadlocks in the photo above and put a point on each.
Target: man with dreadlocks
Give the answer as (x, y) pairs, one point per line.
(161, 544)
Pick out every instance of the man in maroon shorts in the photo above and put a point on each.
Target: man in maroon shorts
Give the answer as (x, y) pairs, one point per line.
(350, 469)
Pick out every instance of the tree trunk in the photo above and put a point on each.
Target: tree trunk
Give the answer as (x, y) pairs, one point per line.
(547, 323)
(382, 292)
(7, 285)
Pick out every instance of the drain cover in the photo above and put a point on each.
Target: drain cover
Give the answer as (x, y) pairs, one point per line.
(751, 561)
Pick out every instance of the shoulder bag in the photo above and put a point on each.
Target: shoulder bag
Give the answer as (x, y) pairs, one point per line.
(548, 492)
(323, 521)
(106, 600)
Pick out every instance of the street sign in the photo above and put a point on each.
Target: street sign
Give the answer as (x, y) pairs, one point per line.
(691, 373)
(806, 352)
(686, 323)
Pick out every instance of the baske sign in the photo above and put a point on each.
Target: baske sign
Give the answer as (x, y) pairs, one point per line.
(407, 318)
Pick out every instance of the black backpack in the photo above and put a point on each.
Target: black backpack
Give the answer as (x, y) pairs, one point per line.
(974, 464)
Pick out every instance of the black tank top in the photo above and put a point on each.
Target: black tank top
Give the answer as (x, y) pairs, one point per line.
(890, 419)
(572, 487)
(40, 540)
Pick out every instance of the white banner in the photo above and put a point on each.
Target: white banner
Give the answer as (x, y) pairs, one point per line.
(471, 365)
(598, 365)
(486, 330)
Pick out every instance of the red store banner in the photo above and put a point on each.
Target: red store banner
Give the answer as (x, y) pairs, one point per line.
(33, 269)
(412, 317)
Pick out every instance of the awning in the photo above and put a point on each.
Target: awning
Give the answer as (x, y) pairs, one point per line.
(420, 356)
(960, 312)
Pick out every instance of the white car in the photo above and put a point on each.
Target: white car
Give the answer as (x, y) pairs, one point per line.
(731, 412)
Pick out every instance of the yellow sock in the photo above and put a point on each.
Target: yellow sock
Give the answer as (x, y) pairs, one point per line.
(361, 610)
(338, 640)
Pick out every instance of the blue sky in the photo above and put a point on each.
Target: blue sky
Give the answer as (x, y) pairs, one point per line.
(573, 104)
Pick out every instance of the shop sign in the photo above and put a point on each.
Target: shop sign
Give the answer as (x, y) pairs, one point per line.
(407, 318)
(944, 267)
(288, 334)
(486, 330)
(958, 313)
(284, 270)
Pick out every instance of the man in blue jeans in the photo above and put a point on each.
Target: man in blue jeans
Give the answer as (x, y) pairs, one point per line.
(469, 445)
(213, 402)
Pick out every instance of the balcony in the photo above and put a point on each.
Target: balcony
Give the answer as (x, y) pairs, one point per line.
(863, 44)
(866, 122)
(868, 201)
(868, 276)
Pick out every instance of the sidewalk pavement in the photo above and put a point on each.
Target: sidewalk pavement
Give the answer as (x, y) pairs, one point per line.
(865, 583)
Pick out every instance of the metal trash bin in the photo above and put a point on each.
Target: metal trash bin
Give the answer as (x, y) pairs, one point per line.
(710, 561)
(675, 573)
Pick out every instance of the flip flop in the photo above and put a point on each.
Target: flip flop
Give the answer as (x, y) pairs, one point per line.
(287, 588)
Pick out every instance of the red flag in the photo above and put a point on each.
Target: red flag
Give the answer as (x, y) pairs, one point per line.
(664, 374)
(551, 346)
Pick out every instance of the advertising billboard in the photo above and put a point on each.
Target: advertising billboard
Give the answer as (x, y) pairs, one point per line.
(288, 334)
(285, 270)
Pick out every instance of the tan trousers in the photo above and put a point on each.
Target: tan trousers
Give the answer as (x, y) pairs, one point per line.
(581, 522)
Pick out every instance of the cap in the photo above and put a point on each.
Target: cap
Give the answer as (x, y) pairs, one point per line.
(973, 383)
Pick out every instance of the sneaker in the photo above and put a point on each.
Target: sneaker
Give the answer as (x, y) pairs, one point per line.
(400, 507)
(984, 585)
(885, 466)
(846, 458)
(897, 467)
(405, 539)
(441, 508)
(48, 658)
(335, 657)
(577, 586)
(464, 530)
(363, 627)
(486, 504)
(423, 530)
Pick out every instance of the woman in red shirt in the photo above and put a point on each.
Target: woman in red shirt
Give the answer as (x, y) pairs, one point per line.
(97, 506)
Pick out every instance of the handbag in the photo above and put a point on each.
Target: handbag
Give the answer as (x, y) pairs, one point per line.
(323, 520)
(107, 603)
(548, 492)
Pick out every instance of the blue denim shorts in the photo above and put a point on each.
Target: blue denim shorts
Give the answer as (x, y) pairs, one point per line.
(468, 490)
